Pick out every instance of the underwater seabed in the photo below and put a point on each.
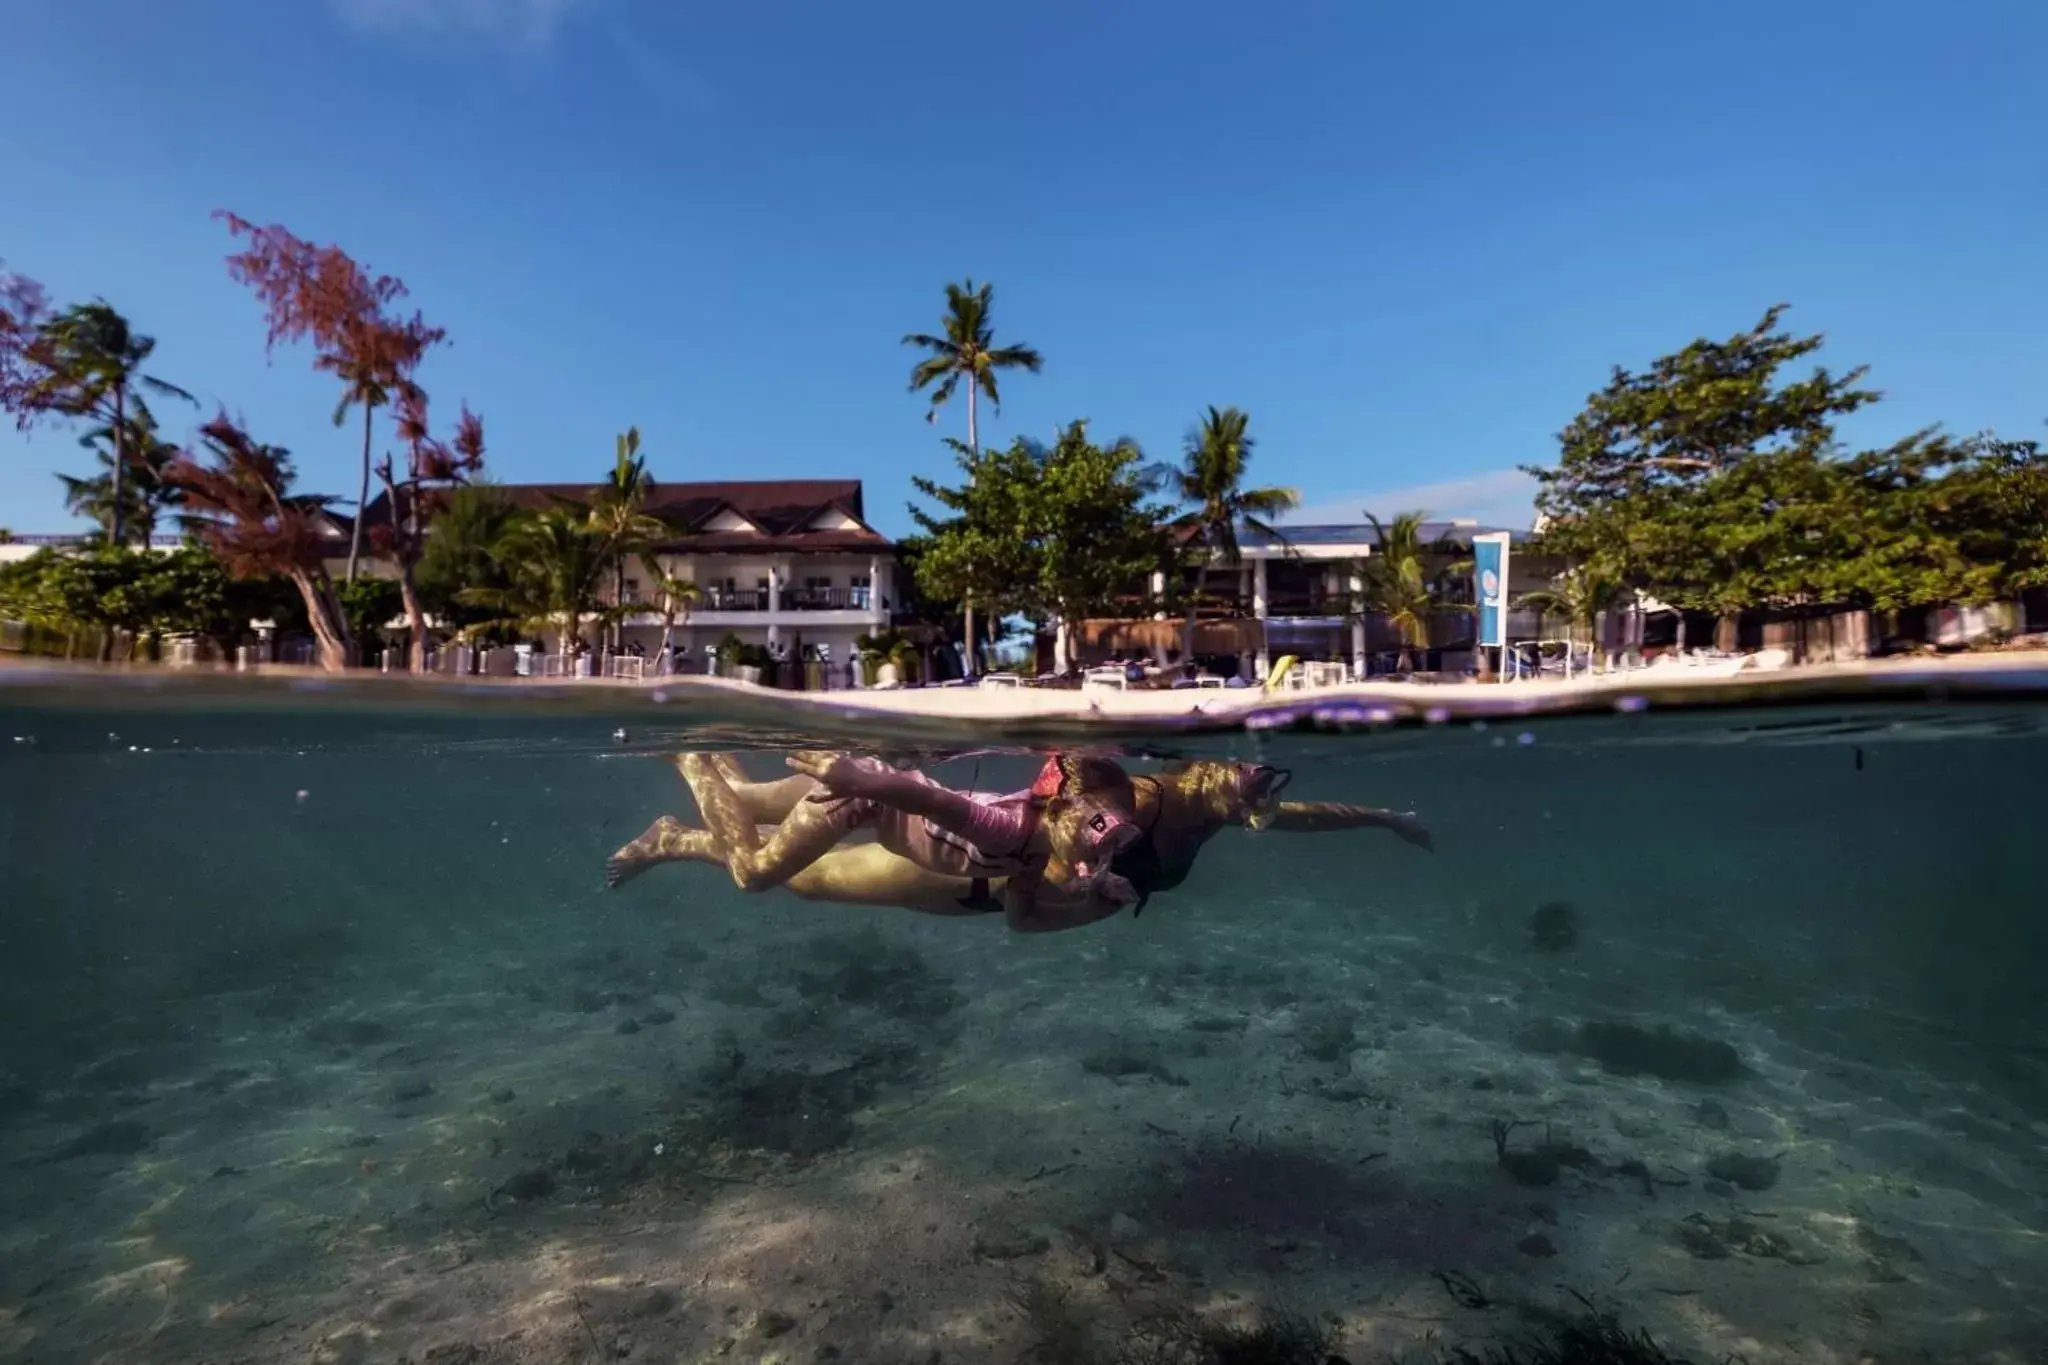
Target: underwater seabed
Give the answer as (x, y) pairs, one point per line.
(321, 1044)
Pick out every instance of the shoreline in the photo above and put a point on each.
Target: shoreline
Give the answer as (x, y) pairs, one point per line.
(2015, 674)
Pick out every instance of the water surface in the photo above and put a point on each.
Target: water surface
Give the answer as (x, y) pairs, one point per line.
(321, 1040)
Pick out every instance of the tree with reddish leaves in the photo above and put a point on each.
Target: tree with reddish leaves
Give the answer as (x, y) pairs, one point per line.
(239, 502)
(24, 307)
(432, 468)
(319, 294)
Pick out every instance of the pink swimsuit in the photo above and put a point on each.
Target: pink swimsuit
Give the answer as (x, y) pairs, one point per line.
(996, 846)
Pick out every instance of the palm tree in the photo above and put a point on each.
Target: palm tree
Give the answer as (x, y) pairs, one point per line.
(91, 362)
(144, 498)
(1211, 477)
(460, 553)
(618, 511)
(554, 567)
(676, 596)
(1578, 595)
(966, 348)
(1401, 583)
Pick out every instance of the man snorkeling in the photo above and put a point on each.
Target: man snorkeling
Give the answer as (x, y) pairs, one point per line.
(1086, 840)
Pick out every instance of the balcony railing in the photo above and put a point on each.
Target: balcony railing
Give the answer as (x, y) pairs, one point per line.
(792, 599)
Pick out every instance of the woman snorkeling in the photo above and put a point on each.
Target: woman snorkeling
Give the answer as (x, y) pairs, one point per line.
(1092, 814)
(1040, 857)
(1175, 813)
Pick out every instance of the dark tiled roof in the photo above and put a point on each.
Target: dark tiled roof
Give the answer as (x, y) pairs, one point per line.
(782, 508)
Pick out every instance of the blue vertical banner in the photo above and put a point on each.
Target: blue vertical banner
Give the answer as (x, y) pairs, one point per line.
(1490, 586)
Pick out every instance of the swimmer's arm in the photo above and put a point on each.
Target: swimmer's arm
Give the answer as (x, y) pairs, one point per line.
(1316, 817)
(980, 824)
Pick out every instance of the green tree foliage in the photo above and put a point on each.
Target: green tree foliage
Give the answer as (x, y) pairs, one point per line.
(1643, 482)
(618, 510)
(135, 597)
(1211, 479)
(1060, 531)
(965, 348)
(552, 565)
(369, 605)
(146, 495)
(85, 363)
(1406, 578)
(461, 554)
(1715, 482)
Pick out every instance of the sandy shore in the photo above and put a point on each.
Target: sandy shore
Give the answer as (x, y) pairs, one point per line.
(1046, 712)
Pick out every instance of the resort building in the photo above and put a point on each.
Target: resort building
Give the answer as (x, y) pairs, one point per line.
(789, 565)
(1297, 594)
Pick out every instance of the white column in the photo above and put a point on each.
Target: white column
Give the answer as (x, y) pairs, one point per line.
(1158, 595)
(1356, 585)
(1259, 613)
(775, 572)
(875, 590)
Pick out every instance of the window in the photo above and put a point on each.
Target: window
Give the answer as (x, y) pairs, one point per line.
(861, 589)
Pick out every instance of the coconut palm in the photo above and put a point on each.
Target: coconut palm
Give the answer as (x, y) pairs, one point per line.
(1579, 596)
(145, 495)
(1211, 478)
(674, 596)
(618, 510)
(554, 567)
(91, 366)
(1401, 581)
(966, 348)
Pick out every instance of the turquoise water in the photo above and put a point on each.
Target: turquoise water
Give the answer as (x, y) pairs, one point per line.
(320, 1040)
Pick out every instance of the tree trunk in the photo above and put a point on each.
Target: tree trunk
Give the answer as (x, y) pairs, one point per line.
(1189, 626)
(120, 465)
(323, 613)
(355, 535)
(974, 445)
(415, 616)
(1681, 636)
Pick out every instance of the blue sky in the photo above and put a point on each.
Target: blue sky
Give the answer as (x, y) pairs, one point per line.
(1408, 239)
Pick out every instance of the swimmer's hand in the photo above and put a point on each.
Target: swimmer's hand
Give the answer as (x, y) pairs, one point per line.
(838, 776)
(1408, 828)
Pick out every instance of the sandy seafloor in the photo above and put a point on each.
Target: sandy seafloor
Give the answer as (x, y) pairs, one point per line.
(403, 1086)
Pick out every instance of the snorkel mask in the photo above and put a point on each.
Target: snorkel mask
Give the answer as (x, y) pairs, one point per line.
(1089, 820)
(1261, 785)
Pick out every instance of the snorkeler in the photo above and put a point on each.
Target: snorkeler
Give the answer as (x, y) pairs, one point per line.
(1174, 813)
(1038, 857)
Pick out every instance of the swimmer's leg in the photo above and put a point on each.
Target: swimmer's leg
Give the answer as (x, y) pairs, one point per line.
(667, 840)
(756, 864)
(769, 803)
(868, 874)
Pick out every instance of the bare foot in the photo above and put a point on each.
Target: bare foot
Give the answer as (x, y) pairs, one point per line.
(644, 852)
